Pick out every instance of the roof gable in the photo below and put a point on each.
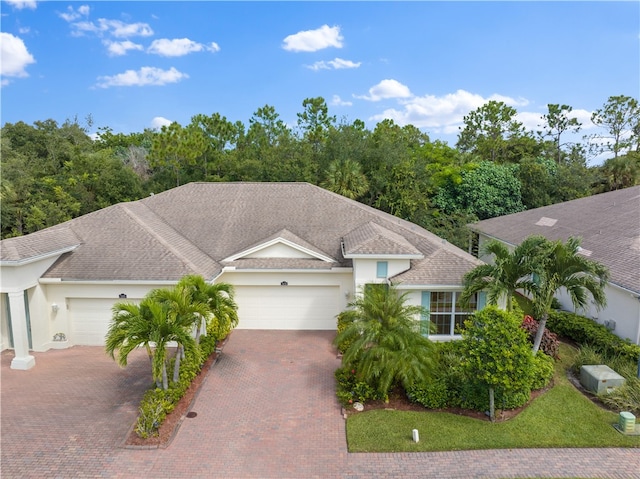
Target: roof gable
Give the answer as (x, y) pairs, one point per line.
(371, 239)
(283, 244)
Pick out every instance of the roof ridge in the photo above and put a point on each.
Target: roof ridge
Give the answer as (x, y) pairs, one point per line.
(128, 208)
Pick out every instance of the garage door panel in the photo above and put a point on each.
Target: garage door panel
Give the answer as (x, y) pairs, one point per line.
(90, 320)
(287, 307)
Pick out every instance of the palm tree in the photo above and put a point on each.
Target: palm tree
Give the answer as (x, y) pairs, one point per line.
(346, 178)
(219, 299)
(563, 267)
(509, 272)
(386, 345)
(151, 325)
(183, 311)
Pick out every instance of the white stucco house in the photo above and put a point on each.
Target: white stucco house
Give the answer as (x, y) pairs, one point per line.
(295, 253)
(609, 225)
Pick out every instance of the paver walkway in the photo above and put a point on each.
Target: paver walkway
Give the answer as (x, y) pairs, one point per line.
(267, 410)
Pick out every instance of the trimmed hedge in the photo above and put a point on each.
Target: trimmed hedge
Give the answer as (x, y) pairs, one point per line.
(585, 331)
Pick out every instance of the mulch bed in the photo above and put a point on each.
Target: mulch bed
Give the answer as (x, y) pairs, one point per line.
(398, 401)
(170, 425)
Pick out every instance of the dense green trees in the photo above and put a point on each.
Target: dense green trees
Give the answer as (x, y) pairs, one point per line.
(52, 173)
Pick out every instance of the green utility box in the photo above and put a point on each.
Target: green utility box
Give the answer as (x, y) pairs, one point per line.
(627, 423)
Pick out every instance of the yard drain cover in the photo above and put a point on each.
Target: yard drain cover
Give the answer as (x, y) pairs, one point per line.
(192, 414)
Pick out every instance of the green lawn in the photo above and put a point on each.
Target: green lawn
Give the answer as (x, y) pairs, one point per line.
(562, 417)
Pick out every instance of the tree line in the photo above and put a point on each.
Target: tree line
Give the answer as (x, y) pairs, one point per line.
(52, 173)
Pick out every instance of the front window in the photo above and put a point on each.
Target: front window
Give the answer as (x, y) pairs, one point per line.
(446, 314)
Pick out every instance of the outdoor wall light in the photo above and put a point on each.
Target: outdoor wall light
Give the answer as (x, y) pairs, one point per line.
(284, 283)
(55, 307)
(122, 296)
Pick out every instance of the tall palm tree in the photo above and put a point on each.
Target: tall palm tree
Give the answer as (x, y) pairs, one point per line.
(509, 272)
(183, 311)
(149, 325)
(219, 298)
(386, 345)
(563, 267)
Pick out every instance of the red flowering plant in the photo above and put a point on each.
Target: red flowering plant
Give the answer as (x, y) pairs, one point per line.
(549, 345)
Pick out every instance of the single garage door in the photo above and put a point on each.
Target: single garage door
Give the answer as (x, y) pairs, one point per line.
(287, 307)
(90, 320)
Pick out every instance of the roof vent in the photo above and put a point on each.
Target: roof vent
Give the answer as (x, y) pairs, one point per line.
(544, 221)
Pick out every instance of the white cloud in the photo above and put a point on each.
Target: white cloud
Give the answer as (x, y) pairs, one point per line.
(24, 30)
(337, 101)
(159, 121)
(584, 117)
(20, 4)
(143, 77)
(116, 49)
(335, 64)
(15, 57)
(179, 47)
(386, 89)
(314, 40)
(532, 121)
(70, 15)
(115, 28)
(442, 114)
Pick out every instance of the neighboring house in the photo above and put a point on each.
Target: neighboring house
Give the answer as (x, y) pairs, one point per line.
(609, 225)
(295, 253)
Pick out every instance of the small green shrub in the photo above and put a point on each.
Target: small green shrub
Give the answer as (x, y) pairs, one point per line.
(154, 407)
(350, 390)
(587, 354)
(586, 331)
(624, 398)
(344, 320)
(543, 366)
(433, 395)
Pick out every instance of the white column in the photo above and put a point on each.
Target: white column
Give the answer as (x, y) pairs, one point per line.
(22, 358)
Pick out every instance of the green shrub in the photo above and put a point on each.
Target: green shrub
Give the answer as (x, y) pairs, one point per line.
(587, 354)
(154, 407)
(624, 398)
(543, 366)
(350, 390)
(432, 395)
(585, 331)
(344, 320)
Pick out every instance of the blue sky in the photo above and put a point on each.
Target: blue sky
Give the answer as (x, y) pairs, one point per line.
(136, 65)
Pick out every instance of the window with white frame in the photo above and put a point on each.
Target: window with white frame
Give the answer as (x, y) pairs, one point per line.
(446, 315)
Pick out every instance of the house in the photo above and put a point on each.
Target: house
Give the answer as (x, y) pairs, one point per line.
(609, 225)
(295, 253)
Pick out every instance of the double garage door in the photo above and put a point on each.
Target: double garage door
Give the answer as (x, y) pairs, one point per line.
(259, 307)
(287, 307)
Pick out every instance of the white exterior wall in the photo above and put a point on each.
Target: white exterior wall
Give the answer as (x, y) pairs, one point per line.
(47, 323)
(623, 307)
(365, 270)
(5, 340)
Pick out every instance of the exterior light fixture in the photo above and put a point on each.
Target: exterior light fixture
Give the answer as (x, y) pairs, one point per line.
(122, 296)
(284, 283)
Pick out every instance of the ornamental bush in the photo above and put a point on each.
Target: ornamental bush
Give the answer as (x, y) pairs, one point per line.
(549, 345)
(585, 331)
(350, 390)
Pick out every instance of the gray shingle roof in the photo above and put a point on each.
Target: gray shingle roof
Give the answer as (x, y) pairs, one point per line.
(608, 223)
(372, 238)
(192, 228)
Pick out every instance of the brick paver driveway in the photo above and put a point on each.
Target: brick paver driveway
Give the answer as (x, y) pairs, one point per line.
(266, 410)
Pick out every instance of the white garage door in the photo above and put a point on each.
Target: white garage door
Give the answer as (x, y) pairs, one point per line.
(90, 320)
(287, 307)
